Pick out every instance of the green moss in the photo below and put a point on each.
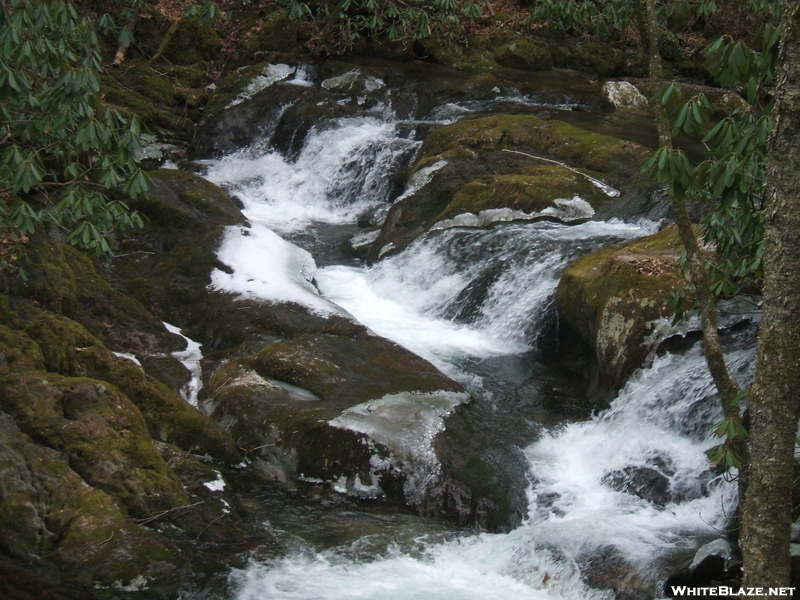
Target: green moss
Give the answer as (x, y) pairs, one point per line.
(611, 297)
(575, 146)
(61, 340)
(232, 85)
(19, 352)
(192, 43)
(531, 192)
(49, 278)
(524, 54)
(168, 417)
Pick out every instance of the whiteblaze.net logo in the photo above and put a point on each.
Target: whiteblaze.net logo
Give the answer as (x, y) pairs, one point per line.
(682, 591)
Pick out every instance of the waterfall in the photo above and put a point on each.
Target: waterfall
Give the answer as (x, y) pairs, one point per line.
(459, 296)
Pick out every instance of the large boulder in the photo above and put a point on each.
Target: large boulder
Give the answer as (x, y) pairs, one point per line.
(505, 167)
(524, 54)
(615, 300)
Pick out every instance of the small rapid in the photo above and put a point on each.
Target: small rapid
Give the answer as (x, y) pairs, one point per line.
(660, 422)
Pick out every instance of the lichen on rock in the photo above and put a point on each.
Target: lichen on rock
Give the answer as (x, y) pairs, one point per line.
(613, 297)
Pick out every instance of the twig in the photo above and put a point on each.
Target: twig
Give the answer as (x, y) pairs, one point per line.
(209, 525)
(597, 182)
(246, 451)
(164, 513)
(132, 253)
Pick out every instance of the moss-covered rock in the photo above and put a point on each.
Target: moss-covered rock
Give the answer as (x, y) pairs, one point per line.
(531, 191)
(613, 297)
(345, 371)
(50, 517)
(169, 418)
(102, 434)
(506, 161)
(65, 281)
(524, 54)
(568, 143)
(604, 59)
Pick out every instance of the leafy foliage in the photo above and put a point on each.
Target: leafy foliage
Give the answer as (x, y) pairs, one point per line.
(61, 149)
(733, 430)
(406, 21)
(731, 178)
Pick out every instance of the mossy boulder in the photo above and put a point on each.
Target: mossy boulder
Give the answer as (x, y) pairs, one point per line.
(65, 281)
(71, 531)
(531, 191)
(614, 298)
(347, 371)
(169, 99)
(568, 143)
(336, 410)
(278, 33)
(604, 59)
(524, 54)
(101, 433)
(517, 162)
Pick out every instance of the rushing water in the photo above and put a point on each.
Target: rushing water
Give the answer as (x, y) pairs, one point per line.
(469, 299)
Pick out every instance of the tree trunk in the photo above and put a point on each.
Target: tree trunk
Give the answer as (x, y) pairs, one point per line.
(727, 388)
(773, 402)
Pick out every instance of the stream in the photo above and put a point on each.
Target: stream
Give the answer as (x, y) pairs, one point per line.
(477, 302)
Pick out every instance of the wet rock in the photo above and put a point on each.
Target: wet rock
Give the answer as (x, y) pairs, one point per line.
(712, 564)
(646, 483)
(606, 569)
(524, 54)
(482, 484)
(507, 167)
(278, 104)
(281, 401)
(622, 95)
(614, 297)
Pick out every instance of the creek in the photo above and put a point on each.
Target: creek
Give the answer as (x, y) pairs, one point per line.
(478, 303)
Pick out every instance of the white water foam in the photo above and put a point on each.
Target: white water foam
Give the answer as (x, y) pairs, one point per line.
(339, 174)
(659, 421)
(190, 357)
(409, 298)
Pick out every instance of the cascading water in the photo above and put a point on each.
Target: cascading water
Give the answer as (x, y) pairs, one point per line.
(660, 422)
(457, 297)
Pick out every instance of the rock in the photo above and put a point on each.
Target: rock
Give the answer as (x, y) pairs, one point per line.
(468, 170)
(51, 519)
(283, 399)
(728, 104)
(524, 54)
(622, 94)
(602, 58)
(64, 280)
(711, 559)
(71, 350)
(614, 297)
(646, 483)
(711, 565)
(606, 569)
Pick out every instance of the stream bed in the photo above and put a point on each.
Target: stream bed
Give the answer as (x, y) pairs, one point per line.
(612, 496)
